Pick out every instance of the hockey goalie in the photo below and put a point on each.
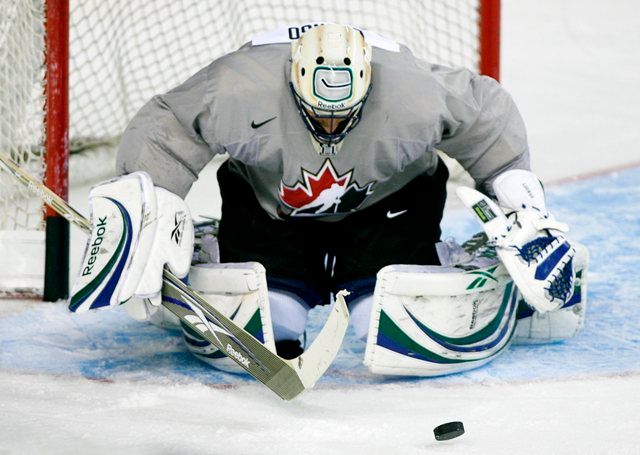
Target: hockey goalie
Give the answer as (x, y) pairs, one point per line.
(334, 182)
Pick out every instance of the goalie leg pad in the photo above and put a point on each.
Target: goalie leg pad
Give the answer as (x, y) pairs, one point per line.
(435, 320)
(239, 291)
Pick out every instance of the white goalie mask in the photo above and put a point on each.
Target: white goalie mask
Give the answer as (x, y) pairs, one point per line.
(330, 80)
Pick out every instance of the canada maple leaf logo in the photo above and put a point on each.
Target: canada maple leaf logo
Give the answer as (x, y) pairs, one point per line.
(324, 193)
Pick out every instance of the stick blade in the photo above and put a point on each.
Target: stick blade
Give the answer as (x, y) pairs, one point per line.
(312, 364)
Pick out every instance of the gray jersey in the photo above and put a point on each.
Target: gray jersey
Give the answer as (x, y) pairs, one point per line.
(241, 104)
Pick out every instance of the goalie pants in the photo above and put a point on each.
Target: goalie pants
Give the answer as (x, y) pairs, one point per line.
(313, 258)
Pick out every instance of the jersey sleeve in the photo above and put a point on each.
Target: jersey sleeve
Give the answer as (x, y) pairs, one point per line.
(483, 129)
(165, 138)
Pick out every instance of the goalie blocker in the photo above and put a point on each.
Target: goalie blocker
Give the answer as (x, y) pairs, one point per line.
(136, 229)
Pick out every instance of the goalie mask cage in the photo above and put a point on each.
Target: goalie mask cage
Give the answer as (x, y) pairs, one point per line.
(73, 75)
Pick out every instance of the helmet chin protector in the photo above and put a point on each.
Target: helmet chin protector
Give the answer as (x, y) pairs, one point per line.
(330, 80)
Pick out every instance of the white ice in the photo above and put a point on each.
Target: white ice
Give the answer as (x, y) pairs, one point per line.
(572, 67)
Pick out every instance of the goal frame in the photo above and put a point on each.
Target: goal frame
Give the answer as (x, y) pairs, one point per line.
(57, 125)
(56, 147)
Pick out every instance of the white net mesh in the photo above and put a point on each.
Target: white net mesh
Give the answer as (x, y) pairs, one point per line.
(125, 51)
(21, 107)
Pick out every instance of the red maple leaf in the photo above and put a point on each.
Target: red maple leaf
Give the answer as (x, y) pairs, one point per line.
(303, 193)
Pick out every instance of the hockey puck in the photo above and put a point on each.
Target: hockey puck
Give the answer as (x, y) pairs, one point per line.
(448, 430)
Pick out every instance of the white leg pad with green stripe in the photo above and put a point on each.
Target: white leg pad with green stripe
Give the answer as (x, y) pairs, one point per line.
(239, 291)
(436, 320)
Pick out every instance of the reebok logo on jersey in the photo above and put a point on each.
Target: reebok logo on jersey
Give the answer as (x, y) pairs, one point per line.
(391, 214)
(255, 125)
(324, 193)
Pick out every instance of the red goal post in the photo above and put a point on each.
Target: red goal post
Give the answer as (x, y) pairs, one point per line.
(103, 59)
(489, 45)
(56, 148)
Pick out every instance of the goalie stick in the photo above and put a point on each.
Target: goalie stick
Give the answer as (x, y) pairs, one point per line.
(287, 378)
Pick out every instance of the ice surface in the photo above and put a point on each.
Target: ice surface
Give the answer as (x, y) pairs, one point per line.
(101, 382)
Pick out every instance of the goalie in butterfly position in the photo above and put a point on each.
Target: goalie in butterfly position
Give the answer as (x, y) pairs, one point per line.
(333, 181)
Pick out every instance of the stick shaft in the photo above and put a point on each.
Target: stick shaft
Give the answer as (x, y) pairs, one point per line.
(49, 197)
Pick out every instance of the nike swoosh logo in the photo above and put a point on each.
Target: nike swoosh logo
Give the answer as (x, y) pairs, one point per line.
(255, 125)
(391, 214)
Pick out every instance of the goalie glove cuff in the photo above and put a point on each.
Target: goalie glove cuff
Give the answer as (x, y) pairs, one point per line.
(518, 189)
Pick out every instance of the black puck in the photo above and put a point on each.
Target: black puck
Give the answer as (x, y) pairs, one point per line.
(448, 430)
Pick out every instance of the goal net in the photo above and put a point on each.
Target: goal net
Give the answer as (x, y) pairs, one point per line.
(122, 52)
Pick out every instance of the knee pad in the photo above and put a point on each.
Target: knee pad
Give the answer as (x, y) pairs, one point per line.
(360, 315)
(288, 315)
